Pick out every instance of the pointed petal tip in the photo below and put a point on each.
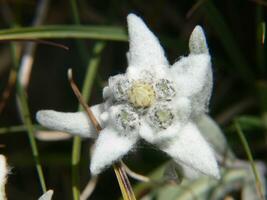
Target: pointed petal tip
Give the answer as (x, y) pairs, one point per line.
(197, 41)
(47, 195)
(134, 21)
(145, 49)
(76, 123)
(94, 170)
(132, 16)
(214, 172)
(42, 115)
(110, 147)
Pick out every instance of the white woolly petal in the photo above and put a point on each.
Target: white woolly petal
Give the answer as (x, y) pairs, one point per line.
(190, 73)
(148, 72)
(193, 79)
(77, 123)
(110, 147)
(153, 136)
(183, 108)
(145, 49)
(191, 150)
(47, 195)
(3, 176)
(197, 41)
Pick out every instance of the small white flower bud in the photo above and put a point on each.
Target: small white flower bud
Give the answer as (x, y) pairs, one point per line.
(126, 119)
(161, 116)
(120, 86)
(164, 89)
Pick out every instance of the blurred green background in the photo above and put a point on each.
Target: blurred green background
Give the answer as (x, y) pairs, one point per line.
(235, 33)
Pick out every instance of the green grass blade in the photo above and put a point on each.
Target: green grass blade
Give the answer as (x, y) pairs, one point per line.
(25, 115)
(65, 31)
(251, 160)
(75, 161)
(92, 70)
(19, 128)
(77, 143)
(259, 34)
(83, 51)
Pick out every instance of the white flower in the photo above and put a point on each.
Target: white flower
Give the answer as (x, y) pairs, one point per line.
(153, 101)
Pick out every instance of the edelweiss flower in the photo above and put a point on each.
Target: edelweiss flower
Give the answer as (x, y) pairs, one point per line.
(153, 101)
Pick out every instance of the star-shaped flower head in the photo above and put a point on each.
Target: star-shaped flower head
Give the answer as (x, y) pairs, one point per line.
(153, 101)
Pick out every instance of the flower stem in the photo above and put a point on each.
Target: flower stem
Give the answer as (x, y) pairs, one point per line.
(124, 183)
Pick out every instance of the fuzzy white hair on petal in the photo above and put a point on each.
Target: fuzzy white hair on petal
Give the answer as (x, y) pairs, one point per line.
(193, 79)
(77, 123)
(197, 42)
(110, 147)
(190, 148)
(154, 136)
(145, 49)
(47, 195)
(193, 74)
(3, 176)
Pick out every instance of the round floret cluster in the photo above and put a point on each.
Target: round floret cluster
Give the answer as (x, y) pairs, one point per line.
(146, 97)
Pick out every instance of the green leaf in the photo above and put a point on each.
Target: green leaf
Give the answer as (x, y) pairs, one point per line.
(250, 122)
(65, 31)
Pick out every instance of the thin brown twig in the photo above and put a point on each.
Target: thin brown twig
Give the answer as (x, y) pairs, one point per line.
(82, 102)
(7, 91)
(38, 41)
(122, 177)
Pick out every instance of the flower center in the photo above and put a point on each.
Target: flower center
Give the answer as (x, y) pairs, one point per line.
(142, 95)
